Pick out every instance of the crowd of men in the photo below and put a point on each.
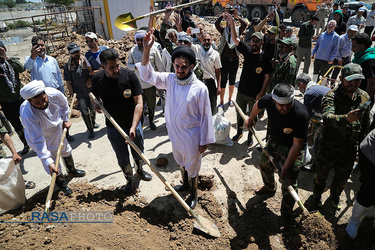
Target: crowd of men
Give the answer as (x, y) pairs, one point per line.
(181, 64)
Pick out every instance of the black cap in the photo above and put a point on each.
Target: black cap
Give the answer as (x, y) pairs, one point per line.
(73, 47)
(2, 45)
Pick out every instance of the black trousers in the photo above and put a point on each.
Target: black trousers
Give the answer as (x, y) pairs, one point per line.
(366, 194)
(12, 113)
(229, 67)
(211, 85)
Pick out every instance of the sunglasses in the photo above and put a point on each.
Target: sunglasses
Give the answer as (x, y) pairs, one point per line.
(183, 42)
(139, 39)
(90, 41)
(282, 46)
(76, 52)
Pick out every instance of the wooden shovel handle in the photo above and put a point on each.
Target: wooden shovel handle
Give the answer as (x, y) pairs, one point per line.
(143, 156)
(57, 162)
(284, 181)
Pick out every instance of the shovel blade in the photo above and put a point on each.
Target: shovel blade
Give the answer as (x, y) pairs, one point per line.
(206, 226)
(125, 22)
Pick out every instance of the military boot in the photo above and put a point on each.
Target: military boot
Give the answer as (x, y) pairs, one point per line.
(90, 128)
(26, 147)
(128, 173)
(60, 182)
(93, 117)
(193, 198)
(69, 164)
(185, 181)
(145, 176)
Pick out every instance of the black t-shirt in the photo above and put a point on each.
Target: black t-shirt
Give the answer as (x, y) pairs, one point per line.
(255, 66)
(111, 92)
(368, 70)
(78, 80)
(285, 127)
(268, 48)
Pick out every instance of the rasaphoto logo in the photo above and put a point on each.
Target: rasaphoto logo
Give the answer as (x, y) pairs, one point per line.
(72, 217)
(68, 217)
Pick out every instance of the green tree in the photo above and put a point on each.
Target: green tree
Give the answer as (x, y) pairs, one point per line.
(21, 1)
(9, 3)
(61, 2)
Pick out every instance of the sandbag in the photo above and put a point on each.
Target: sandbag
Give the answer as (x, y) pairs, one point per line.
(12, 187)
(222, 128)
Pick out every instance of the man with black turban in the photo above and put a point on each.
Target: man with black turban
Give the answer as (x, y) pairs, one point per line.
(187, 112)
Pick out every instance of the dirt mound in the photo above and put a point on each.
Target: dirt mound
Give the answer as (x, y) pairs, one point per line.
(317, 233)
(137, 224)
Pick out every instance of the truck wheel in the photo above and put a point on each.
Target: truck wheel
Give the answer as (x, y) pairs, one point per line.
(258, 12)
(299, 16)
(217, 10)
(246, 12)
(199, 9)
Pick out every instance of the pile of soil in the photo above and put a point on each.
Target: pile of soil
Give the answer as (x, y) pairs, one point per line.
(317, 232)
(137, 224)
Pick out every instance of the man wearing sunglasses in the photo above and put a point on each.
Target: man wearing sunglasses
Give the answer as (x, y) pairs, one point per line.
(92, 56)
(149, 91)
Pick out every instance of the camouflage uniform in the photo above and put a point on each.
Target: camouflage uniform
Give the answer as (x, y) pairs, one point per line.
(280, 153)
(2, 131)
(285, 72)
(339, 139)
(170, 46)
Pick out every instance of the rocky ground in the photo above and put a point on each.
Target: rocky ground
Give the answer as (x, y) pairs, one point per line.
(153, 218)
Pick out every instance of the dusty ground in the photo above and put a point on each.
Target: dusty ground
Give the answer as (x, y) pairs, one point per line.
(154, 219)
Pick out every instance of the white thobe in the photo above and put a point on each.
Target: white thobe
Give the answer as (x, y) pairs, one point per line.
(43, 128)
(187, 114)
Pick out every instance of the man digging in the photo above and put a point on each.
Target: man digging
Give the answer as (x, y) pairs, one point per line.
(44, 114)
(187, 111)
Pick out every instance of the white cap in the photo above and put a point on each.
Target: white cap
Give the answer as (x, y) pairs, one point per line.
(228, 6)
(353, 27)
(92, 35)
(362, 9)
(32, 89)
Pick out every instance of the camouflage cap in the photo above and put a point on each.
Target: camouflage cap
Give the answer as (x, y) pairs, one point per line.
(352, 71)
(258, 35)
(273, 30)
(288, 41)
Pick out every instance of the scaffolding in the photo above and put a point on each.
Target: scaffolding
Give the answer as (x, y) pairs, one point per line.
(57, 25)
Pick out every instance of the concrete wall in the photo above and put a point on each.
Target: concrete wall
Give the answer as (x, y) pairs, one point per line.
(118, 7)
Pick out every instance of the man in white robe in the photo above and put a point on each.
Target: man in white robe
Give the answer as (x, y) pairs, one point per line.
(44, 115)
(187, 111)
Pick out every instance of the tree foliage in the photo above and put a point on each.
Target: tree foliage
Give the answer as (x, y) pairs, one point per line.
(61, 2)
(9, 3)
(21, 1)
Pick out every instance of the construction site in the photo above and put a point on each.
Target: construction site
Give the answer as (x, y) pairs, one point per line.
(153, 218)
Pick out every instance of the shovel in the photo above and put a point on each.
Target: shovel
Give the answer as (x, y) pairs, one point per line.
(57, 162)
(127, 22)
(200, 223)
(284, 181)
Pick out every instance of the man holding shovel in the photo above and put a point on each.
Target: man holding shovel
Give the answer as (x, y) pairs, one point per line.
(121, 93)
(44, 115)
(187, 111)
(288, 120)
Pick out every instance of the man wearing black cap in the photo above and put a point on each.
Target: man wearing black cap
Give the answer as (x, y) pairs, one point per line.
(288, 119)
(10, 99)
(187, 111)
(254, 80)
(76, 75)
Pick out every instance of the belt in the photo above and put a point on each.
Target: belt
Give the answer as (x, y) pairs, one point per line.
(232, 59)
